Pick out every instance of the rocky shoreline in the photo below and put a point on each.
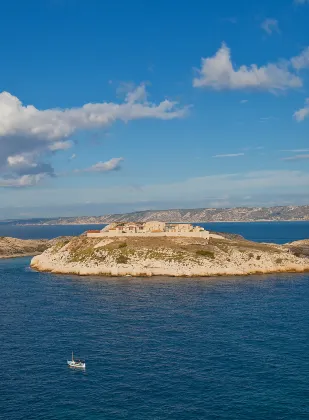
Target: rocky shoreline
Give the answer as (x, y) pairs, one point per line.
(174, 257)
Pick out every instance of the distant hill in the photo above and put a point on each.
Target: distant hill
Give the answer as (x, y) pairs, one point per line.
(237, 214)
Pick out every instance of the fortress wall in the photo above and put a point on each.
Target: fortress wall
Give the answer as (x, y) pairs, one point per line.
(203, 234)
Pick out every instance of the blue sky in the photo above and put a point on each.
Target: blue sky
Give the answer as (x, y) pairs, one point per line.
(121, 106)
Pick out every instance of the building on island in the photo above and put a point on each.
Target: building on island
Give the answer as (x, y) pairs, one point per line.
(151, 228)
(154, 226)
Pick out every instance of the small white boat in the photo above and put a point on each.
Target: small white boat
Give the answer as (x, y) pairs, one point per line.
(80, 364)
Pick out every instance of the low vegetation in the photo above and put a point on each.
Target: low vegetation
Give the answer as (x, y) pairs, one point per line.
(122, 245)
(203, 253)
(122, 259)
(180, 250)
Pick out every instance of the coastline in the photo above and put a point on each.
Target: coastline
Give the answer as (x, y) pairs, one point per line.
(7, 257)
(133, 273)
(204, 222)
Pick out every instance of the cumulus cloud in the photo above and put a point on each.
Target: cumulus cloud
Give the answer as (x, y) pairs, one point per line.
(218, 72)
(270, 26)
(22, 181)
(229, 155)
(302, 113)
(301, 61)
(110, 165)
(55, 124)
(16, 160)
(28, 134)
(21, 165)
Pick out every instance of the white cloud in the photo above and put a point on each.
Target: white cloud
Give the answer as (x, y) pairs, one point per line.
(270, 26)
(72, 157)
(28, 134)
(297, 157)
(25, 164)
(110, 165)
(302, 113)
(60, 145)
(229, 155)
(218, 72)
(295, 150)
(137, 95)
(22, 181)
(301, 61)
(301, 1)
(55, 124)
(244, 101)
(17, 160)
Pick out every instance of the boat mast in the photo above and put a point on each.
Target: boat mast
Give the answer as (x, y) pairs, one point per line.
(72, 357)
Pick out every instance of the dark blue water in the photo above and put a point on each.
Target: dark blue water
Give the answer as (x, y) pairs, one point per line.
(279, 232)
(221, 348)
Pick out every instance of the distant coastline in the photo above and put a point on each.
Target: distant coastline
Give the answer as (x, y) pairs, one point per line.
(201, 215)
(204, 222)
(29, 254)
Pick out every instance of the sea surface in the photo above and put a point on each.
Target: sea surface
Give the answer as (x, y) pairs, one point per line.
(278, 232)
(155, 349)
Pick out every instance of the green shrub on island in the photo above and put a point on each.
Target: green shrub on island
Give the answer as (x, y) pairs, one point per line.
(122, 259)
(203, 253)
(122, 245)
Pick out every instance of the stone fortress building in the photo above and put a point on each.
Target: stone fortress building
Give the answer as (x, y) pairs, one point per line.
(150, 229)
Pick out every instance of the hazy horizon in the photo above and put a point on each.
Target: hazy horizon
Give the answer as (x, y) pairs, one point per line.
(102, 210)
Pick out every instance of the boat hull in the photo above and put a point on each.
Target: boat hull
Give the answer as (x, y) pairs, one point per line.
(76, 365)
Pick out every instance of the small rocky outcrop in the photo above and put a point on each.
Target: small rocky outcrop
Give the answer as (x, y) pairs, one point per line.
(13, 247)
(299, 248)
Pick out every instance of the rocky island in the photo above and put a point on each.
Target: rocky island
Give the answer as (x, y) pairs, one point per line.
(14, 247)
(131, 254)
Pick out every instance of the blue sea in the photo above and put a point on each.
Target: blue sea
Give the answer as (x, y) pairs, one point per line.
(278, 232)
(158, 348)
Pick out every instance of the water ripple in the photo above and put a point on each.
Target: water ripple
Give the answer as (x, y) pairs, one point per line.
(155, 348)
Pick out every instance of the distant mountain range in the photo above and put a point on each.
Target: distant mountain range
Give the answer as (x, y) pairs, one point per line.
(238, 214)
